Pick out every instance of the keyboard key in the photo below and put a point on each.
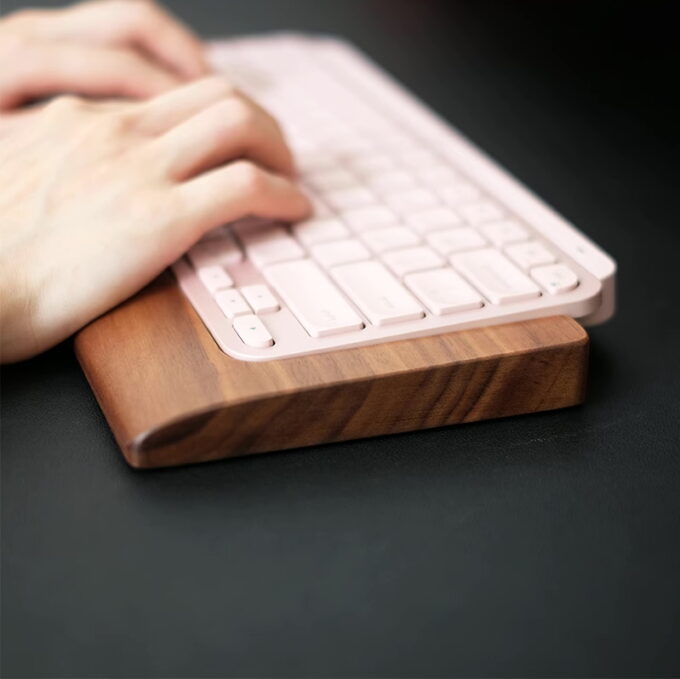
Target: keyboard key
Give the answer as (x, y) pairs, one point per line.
(253, 331)
(383, 240)
(495, 276)
(312, 162)
(319, 207)
(247, 225)
(312, 298)
(214, 278)
(370, 217)
(414, 200)
(313, 231)
(438, 175)
(418, 158)
(349, 146)
(219, 250)
(377, 293)
(232, 303)
(369, 165)
(260, 298)
(433, 219)
(407, 261)
(457, 194)
(268, 245)
(299, 144)
(478, 213)
(219, 232)
(530, 254)
(275, 250)
(340, 252)
(327, 133)
(455, 240)
(251, 228)
(334, 137)
(346, 199)
(555, 278)
(386, 183)
(329, 179)
(400, 142)
(502, 233)
(376, 127)
(443, 291)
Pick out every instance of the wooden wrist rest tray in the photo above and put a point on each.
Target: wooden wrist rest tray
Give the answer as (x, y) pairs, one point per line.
(172, 397)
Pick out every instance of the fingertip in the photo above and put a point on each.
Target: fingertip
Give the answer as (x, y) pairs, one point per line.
(298, 204)
(289, 169)
(239, 189)
(169, 40)
(288, 166)
(182, 49)
(306, 206)
(203, 66)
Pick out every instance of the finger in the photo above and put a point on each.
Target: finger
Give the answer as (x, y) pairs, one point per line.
(51, 68)
(168, 110)
(239, 190)
(142, 24)
(229, 129)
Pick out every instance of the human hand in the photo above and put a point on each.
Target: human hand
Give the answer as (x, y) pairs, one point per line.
(98, 198)
(124, 48)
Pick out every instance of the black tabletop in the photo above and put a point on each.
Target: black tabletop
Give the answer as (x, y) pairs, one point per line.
(537, 545)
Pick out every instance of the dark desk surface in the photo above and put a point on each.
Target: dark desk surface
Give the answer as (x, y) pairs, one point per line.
(544, 544)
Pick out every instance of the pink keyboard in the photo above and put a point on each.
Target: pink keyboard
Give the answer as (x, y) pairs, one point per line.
(415, 231)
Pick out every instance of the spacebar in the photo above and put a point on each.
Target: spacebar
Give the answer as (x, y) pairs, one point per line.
(312, 298)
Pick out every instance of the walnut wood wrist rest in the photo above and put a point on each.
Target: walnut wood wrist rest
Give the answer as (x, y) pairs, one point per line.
(172, 397)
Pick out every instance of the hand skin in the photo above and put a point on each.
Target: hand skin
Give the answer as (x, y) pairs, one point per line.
(96, 199)
(105, 48)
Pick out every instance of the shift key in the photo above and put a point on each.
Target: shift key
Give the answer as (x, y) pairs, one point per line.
(312, 298)
(377, 293)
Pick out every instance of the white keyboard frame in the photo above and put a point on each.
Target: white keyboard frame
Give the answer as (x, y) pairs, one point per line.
(591, 302)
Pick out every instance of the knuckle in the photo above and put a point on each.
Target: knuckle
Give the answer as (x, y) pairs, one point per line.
(134, 13)
(252, 179)
(65, 104)
(144, 13)
(119, 122)
(128, 61)
(243, 115)
(23, 17)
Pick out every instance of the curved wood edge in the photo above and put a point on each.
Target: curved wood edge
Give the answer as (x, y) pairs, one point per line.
(171, 396)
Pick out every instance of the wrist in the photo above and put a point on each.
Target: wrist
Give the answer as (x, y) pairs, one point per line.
(18, 339)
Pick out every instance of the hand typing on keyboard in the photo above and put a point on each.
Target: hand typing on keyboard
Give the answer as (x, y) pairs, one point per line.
(413, 232)
(97, 198)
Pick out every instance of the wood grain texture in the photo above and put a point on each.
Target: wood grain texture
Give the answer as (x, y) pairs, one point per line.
(172, 397)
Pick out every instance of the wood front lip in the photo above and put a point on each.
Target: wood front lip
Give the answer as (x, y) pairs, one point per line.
(171, 396)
